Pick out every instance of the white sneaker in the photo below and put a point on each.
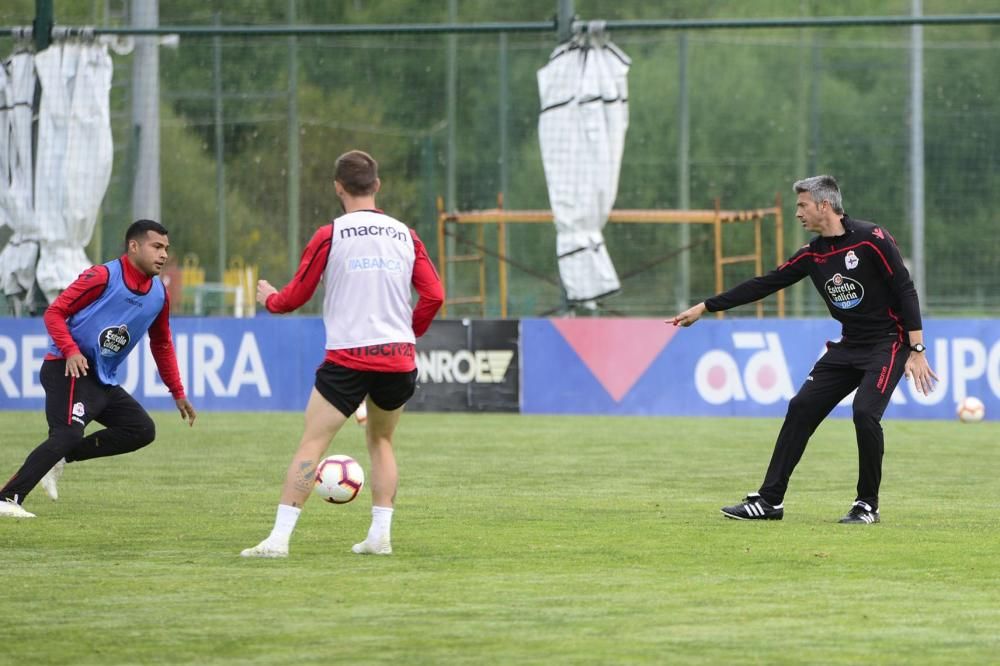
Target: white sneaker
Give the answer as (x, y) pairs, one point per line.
(266, 549)
(51, 478)
(12, 509)
(366, 547)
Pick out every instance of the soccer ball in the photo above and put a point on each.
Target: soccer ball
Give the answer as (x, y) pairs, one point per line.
(339, 479)
(970, 410)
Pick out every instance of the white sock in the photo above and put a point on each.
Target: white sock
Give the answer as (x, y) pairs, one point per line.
(381, 524)
(284, 523)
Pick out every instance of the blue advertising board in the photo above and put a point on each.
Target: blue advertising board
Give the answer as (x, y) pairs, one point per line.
(258, 364)
(729, 367)
(268, 363)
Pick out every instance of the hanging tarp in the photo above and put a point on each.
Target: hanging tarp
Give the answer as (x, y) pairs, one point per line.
(583, 92)
(73, 163)
(55, 194)
(20, 255)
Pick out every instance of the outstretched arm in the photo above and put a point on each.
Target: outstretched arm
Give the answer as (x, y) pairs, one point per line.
(301, 287)
(689, 316)
(751, 290)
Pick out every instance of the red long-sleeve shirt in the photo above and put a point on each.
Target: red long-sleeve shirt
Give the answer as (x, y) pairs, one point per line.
(88, 288)
(398, 357)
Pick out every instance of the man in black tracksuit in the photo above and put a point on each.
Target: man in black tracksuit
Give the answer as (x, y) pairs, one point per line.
(857, 268)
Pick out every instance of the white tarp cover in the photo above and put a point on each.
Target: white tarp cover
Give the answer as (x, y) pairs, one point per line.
(72, 167)
(20, 254)
(581, 129)
(73, 163)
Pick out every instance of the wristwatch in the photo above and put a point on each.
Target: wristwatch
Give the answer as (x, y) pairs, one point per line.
(919, 348)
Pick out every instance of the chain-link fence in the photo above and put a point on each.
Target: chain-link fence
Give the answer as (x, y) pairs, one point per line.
(250, 126)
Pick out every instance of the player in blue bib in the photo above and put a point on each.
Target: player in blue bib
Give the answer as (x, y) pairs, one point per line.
(93, 325)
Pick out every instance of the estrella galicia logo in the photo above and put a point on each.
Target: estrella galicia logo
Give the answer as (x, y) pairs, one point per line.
(113, 340)
(844, 292)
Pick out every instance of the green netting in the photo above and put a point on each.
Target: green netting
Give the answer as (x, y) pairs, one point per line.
(766, 107)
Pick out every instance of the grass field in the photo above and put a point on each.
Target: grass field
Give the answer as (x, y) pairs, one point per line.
(518, 540)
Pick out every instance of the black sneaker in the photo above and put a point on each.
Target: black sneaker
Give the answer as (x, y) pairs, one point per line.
(754, 507)
(861, 513)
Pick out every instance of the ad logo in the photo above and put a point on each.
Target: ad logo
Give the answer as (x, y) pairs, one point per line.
(844, 292)
(113, 339)
(386, 264)
(464, 366)
(765, 378)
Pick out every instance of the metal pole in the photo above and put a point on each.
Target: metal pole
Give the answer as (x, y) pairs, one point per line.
(41, 28)
(427, 177)
(564, 20)
(452, 109)
(683, 291)
(293, 146)
(917, 151)
(802, 149)
(504, 171)
(146, 113)
(816, 63)
(96, 254)
(451, 103)
(220, 155)
(536, 26)
(504, 115)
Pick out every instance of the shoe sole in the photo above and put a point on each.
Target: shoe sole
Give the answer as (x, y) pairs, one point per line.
(264, 552)
(747, 518)
(270, 555)
(18, 516)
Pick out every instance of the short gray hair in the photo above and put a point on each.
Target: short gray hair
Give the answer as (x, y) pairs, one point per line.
(822, 188)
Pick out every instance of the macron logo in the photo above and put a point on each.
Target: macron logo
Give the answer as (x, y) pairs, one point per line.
(374, 230)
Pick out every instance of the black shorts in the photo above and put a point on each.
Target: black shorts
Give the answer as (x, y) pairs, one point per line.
(345, 388)
(71, 404)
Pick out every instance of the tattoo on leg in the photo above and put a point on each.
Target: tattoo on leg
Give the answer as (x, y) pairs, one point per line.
(304, 480)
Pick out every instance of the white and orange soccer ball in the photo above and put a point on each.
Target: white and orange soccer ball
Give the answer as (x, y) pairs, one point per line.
(339, 479)
(970, 410)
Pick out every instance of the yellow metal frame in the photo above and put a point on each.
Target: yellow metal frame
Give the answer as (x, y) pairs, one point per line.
(500, 217)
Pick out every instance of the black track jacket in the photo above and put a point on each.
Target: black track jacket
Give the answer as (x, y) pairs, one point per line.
(860, 276)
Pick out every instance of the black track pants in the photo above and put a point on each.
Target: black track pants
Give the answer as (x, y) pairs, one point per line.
(70, 404)
(873, 370)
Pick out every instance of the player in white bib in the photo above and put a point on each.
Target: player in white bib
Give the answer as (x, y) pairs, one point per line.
(368, 262)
